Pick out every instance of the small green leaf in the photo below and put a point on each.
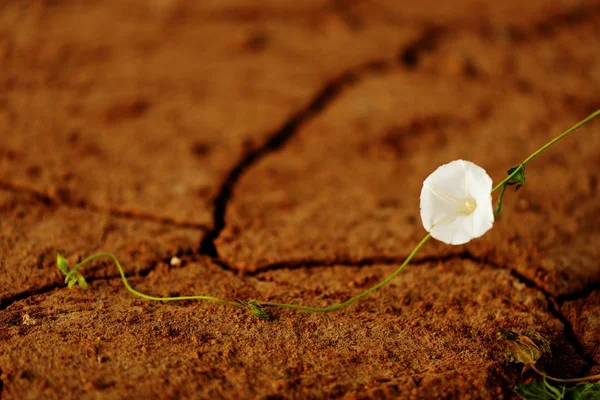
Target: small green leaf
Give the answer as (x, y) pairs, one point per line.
(81, 281)
(72, 283)
(518, 178)
(255, 308)
(525, 347)
(61, 263)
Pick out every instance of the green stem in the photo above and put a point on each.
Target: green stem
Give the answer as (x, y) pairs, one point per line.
(137, 292)
(561, 380)
(499, 205)
(544, 147)
(360, 296)
(355, 298)
(426, 238)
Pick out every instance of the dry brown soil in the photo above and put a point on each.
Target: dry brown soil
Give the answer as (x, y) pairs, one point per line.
(278, 149)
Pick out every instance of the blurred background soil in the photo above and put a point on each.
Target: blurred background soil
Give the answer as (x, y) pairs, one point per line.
(278, 149)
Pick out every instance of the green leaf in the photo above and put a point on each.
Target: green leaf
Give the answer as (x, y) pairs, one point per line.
(61, 263)
(255, 308)
(525, 347)
(81, 281)
(544, 390)
(519, 177)
(72, 283)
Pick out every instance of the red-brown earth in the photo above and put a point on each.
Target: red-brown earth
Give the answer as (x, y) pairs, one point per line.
(278, 149)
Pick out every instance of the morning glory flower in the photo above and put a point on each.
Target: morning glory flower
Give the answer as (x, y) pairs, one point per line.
(456, 202)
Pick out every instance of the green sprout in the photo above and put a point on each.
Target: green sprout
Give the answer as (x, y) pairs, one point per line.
(255, 308)
(72, 277)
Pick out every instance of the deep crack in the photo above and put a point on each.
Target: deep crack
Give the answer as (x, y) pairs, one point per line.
(553, 308)
(8, 301)
(578, 295)
(546, 27)
(410, 55)
(367, 261)
(551, 25)
(552, 301)
(576, 16)
(570, 335)
(278, 139)
(386, 260)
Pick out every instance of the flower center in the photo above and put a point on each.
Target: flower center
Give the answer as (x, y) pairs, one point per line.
(468, 206)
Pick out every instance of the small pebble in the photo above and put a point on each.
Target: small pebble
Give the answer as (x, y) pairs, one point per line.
(175, 262)
(27, 320)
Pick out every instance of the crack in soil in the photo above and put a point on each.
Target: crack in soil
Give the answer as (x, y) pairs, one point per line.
(55, 200)
(410, 55)
(551, 25)
(187, 255)
(578, 295)
(190, 256)
(553, 309)
(323, 98)
(8, 301)
(387, 260)
(570, 335)
(362, 262)
(552, 301)
(546, 27)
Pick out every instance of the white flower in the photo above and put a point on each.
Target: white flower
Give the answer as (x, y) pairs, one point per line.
(456, 202)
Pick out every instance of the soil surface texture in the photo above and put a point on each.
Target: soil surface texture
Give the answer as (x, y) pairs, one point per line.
(275, 150)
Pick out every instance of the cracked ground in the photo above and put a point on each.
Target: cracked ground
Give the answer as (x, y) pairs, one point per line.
(278, 150)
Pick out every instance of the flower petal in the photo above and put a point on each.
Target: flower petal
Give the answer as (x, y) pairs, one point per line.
(449, 178)
(456, 232)
(435, 209)
(483, 216)
(456, 205)
(480, 183)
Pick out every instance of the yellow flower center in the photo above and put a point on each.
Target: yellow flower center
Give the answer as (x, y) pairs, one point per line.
(468, 206)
